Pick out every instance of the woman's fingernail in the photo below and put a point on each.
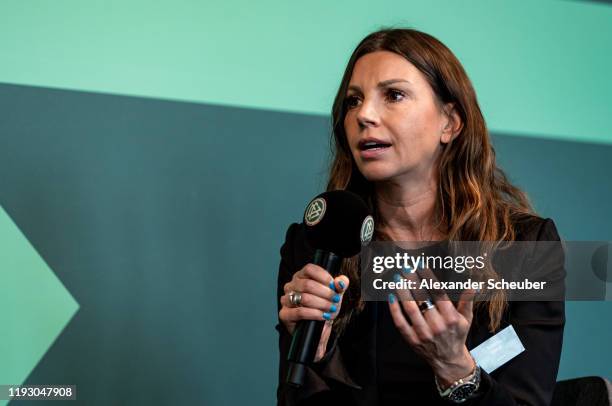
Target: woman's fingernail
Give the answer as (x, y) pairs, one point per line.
(342, 285)
(336, 298)
(326, 316)
(391, 298)
(332, 286)
(333, 309)
(397, 277)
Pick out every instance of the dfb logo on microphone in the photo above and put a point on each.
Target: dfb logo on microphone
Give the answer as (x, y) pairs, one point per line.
(315, 211)
(367, 229)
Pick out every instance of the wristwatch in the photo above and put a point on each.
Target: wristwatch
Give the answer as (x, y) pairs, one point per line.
(463, 389)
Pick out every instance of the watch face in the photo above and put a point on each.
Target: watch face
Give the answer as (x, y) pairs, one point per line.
(463, 392)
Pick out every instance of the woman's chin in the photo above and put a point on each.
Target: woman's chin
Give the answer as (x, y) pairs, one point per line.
(376, 176)
(377, 171)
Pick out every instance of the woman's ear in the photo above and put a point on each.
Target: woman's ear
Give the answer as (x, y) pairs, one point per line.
(453, 125)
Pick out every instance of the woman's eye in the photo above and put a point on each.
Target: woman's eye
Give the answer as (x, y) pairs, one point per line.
(394, 95)
(352, 101)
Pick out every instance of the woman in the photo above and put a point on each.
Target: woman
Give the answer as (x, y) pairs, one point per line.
(411, 140)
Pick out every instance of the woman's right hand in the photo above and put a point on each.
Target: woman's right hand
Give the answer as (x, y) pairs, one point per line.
(321, 300)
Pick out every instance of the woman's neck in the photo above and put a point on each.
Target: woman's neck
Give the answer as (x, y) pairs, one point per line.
(407, 212)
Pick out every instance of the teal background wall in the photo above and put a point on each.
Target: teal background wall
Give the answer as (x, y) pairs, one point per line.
(152, 156)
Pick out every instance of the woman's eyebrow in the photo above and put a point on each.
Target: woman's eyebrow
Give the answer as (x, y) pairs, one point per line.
(388, 82)
(383, 84)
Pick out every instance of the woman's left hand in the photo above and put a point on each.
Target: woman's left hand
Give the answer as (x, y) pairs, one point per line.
(437, 334)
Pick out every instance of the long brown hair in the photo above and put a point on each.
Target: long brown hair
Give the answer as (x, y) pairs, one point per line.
(475, 201)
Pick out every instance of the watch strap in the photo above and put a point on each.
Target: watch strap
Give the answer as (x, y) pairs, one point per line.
(472, 381)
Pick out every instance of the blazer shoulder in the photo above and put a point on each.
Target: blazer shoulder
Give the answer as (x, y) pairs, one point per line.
(536, 228)
(296, 246)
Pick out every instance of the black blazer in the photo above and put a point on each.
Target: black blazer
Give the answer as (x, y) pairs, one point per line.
(370, 364)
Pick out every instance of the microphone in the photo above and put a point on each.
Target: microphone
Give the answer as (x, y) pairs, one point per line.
(337, 224)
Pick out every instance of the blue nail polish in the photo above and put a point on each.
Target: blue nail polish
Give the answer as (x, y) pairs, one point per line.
(409, 269)
(342, 285)
(336, 298)
(332, 286)
(326, 316)
(333, 309)
(391, 298)
(397, 277)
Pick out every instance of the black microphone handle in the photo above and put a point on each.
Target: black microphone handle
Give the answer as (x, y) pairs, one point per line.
(307, 333)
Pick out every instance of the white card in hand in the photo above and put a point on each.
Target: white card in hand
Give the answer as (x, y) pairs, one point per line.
(498, 350)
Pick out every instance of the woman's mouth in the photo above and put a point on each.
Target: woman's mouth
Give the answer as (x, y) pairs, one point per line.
(372, 149)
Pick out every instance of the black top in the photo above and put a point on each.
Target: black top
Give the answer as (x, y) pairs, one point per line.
(371, 364)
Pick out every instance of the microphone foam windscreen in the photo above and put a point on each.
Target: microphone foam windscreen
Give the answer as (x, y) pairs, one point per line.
(338, 221)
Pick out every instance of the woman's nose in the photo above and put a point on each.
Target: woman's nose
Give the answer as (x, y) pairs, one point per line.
(367, 116)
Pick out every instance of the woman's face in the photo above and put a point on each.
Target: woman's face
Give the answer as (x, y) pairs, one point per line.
(393, 124)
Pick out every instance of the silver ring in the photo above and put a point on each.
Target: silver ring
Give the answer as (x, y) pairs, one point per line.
(426, 305)
(295, 298)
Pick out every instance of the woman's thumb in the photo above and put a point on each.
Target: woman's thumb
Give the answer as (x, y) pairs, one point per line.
(341, 283)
